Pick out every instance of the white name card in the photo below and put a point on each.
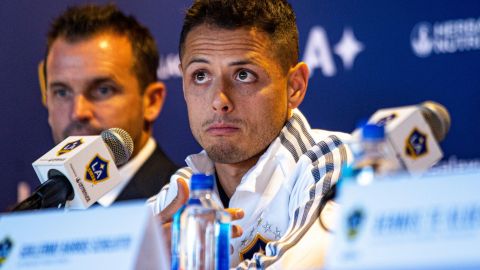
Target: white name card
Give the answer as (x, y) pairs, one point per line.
(124, 236)
(423, 223)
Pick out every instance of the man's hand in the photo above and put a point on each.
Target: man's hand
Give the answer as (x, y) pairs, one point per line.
(183, 193)
(166, 215)
(236, 213)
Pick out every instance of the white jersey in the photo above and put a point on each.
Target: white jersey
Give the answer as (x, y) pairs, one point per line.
(280, 194)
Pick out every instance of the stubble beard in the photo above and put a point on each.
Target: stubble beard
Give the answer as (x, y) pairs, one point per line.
(244, 147)
(230, 151)
(226, 153)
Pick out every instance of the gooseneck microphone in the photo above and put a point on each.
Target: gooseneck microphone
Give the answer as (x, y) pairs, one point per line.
(58, 170)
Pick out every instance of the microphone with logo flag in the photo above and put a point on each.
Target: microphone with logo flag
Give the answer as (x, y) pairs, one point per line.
(79, 170)
(413, 134)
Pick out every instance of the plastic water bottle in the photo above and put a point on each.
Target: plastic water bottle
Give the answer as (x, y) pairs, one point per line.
(370, 154)
(201, 230)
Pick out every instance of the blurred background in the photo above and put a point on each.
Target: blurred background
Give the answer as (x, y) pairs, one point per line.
(363, 56)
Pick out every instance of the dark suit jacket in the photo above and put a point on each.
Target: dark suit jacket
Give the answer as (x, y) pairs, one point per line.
(150, 178)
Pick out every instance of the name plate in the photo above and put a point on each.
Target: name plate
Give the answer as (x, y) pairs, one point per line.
(421, 223)
(124, 236)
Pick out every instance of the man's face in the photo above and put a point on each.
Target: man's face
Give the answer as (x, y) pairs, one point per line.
(235, 91)
(92, 87)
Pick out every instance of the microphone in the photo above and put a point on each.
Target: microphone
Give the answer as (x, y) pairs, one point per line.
(79, 170)
(413, 133)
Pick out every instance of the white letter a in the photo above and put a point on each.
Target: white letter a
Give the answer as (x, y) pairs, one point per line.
(317, 52)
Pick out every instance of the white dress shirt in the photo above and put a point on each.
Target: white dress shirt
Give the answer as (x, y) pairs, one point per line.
(127, 172)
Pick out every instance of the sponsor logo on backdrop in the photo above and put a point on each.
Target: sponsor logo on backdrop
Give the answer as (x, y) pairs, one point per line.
(168, 67)
(6, 246)
(69, 147)
(445, 37)
(97, 170)
(319, 56)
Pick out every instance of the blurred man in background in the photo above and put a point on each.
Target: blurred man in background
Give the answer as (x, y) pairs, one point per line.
(100, 72)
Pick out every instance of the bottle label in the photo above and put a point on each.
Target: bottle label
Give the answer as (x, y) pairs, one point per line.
(175, 239)
(223, 246)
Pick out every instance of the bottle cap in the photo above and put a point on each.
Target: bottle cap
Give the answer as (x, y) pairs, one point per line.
(373, 132)
(201, 181)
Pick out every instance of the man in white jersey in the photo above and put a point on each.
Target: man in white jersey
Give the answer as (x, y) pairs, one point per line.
(242, 84)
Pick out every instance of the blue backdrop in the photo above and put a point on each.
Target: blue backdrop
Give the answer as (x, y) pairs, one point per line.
(364, 55)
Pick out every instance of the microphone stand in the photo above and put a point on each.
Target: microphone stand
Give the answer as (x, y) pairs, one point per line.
(52, 193)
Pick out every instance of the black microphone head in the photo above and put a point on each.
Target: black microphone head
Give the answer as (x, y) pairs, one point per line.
(119, 143)
(437, 118)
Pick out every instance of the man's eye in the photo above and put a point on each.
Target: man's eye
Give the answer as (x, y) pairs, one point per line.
(200, 77)
(103, 92)
(245, 76)
(61, 93)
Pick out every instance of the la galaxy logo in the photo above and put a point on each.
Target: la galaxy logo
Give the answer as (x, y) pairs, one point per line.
(354, 223)
(69, 147)
(97, 170)
(416, 144)
(258, 244)
(387, 119)
(6, 246)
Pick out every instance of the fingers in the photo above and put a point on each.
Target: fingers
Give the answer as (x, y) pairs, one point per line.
(235, 213)
(167, 234)
(237, 231)
(166, 215)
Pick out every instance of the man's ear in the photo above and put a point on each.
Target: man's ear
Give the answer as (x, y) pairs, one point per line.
(153, 100)
(297, 84)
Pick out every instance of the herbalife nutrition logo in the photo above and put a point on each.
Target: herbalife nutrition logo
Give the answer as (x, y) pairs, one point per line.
(445, 37)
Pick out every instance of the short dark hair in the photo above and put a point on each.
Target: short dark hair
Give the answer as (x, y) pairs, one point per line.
(274, 17)
(81, 22)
